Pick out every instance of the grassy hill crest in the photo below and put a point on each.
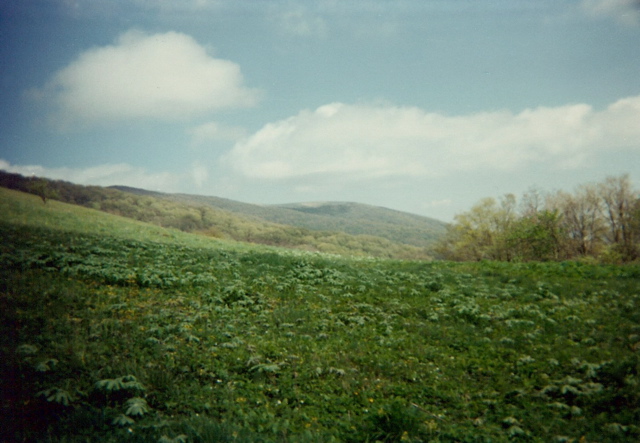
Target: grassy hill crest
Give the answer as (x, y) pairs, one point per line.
(220, 218)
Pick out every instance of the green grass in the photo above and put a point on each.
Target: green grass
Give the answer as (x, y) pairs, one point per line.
(26, 210)
(113, 330)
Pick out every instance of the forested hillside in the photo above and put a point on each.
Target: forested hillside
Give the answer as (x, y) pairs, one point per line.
(351, 218)
(204, 219)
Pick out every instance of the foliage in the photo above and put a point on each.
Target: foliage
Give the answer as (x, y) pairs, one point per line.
(601, 221)
(481, 233)
(535, 237)
(41, 188)
(148, 337)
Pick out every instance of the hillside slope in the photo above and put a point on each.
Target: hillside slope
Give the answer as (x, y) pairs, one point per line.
(211, 221)
(348, 217)
(27, 211)
(357, 218)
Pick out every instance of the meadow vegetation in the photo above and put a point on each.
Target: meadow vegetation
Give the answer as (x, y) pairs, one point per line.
(197, 215)
(116, 330)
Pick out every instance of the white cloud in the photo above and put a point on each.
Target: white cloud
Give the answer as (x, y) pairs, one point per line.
(214, 131)
(438, 203)
(299, 22)
(371, 141)
(103, 175)
(111, 8)
(180, 5)
(625, 11)
(162, 76)
(199, 174)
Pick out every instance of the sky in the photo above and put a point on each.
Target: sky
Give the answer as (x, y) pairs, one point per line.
(421, 106)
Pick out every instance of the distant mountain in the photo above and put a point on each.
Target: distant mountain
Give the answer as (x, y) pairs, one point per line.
(357, 218)
(336, 228)
(351, 218)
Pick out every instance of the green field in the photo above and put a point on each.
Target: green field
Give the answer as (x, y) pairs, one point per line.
(115, 330)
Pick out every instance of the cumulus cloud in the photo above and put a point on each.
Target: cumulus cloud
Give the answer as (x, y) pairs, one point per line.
(180, 5)
(113, 8)
(299, 22)
(370, 141)
(199, 174)
(214, 131)
(162, 76)
(438, 203)
(624, 11)
(103, 175)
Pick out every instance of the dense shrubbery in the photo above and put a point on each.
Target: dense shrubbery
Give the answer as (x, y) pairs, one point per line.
(113, 338)
(600, 221)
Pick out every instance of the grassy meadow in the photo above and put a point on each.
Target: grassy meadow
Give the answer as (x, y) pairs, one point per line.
(116, 330)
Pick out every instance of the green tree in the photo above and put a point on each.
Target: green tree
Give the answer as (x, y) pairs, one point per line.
(482, 232)
(552, 227)
(619, 199)
(536, 237)
(582, 223)
(41, 188)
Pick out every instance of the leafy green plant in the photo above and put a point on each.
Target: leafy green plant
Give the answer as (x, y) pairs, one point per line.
(136, 406)
(126, 383)
(57, 395)
(123, 420)
(393, 422)
(27, 349)
(46, 365)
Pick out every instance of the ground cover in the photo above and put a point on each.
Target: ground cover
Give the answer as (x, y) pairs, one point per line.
(107, 336)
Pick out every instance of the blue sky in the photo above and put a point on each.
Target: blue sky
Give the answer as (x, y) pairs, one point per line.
(421, 106)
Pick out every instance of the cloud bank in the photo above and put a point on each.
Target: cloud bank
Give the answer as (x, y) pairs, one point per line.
(372, 141)
(161, 76)
(214, 131)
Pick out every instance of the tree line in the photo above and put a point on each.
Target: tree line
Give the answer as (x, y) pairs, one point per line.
(598, 220)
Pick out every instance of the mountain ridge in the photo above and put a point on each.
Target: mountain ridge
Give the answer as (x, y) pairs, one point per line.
(227, 219)
(349, 217)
